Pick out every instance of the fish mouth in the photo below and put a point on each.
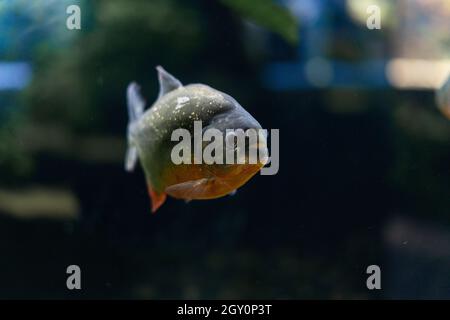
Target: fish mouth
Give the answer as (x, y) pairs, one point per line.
(261, 149)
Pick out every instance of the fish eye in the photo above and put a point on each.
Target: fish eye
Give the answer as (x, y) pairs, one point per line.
(230, 140)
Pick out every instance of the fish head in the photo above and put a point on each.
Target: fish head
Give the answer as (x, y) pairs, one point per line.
(244, 142)
(242, 145)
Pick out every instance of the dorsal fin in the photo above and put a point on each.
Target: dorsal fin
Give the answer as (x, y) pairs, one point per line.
(167, 82)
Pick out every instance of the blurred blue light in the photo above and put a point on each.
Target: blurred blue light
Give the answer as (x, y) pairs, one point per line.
(14, 75)
(281, 76)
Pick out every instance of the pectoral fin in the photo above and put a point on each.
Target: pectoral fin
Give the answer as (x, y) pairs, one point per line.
(157, 198)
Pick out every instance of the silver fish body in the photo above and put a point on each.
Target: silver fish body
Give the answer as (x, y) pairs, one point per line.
(178, 106)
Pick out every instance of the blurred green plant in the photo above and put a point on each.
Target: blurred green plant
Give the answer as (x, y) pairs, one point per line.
(15, 161)
(83, 86)
(267, 14)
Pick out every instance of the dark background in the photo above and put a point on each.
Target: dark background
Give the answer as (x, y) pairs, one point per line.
(364, 166)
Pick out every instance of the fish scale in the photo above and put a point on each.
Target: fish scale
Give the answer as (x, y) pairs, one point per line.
(178, 106)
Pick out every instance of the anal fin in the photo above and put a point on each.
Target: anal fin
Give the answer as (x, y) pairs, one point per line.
(157, 198)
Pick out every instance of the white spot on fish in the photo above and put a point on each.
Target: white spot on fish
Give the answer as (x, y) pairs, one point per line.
(181, 102)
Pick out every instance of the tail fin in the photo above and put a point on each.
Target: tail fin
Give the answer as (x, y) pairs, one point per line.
(135, 105)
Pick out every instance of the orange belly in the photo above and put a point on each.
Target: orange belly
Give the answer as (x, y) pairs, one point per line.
(207, 181)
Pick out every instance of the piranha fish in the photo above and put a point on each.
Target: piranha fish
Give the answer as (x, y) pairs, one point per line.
(178, 106)
(443, 98)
